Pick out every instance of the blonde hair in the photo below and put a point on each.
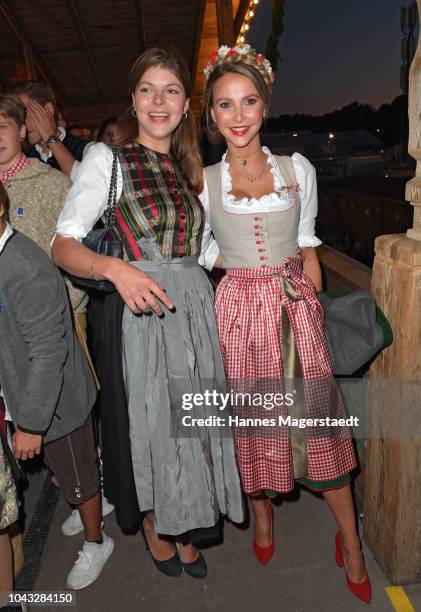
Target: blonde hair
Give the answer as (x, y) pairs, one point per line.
(235, 64)
(185, 138)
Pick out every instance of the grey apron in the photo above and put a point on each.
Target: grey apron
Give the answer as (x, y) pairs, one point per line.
(188, 476)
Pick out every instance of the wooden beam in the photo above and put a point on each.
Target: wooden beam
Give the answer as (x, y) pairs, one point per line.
(198, 37)
(225, 20)
(140, 24)
(81, 32)
(93, 114)
(29, 63)
(392, 500)
(240, 16)
(349, 273)
(392, 491)
(24, 39)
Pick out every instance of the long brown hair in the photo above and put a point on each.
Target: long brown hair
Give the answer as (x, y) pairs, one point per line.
(236, 64)
(4, 203)
(184, 139)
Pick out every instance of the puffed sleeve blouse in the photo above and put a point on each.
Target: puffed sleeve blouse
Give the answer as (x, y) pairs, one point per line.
(87, 201)
(276, 201)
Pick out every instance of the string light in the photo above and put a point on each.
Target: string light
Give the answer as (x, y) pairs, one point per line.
(246, 25)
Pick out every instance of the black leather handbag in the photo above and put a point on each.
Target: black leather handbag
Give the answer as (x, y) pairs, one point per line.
(105, 240)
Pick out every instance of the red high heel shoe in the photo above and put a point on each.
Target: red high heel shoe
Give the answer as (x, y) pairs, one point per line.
(362, 590)
(265, 553)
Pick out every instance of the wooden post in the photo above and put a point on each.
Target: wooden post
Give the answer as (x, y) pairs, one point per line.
(413, 187)
(392, 497)
(225, 20)
(29, 63)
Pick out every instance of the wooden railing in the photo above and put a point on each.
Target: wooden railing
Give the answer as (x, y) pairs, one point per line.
(341, 272)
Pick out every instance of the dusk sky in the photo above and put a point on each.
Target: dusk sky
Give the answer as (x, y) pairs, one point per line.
(334, 52)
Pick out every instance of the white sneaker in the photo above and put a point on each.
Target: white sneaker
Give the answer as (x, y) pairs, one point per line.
(89, 563)
(73, 524)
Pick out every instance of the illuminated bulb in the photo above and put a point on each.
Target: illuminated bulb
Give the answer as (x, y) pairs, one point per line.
(256, 1)
(246, 27)
(295, 135)
(242, 39)
(251, 14)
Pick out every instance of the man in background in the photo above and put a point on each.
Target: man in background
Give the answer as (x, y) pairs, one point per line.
(49, 142)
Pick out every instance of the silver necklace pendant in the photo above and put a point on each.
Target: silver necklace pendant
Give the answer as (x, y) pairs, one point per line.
(243, 162)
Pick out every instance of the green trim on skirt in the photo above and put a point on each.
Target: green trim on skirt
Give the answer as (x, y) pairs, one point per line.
(322, 485)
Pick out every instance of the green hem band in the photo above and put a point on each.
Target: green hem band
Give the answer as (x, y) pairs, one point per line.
(313, 485)
(325, 485)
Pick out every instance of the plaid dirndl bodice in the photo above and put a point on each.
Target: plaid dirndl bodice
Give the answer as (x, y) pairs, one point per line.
(157, 203)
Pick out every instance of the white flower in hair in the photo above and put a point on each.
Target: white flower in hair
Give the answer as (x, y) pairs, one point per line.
(244, 49)
(222, 51)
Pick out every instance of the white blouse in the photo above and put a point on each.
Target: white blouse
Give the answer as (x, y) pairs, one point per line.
(87, 201)
(279, 200)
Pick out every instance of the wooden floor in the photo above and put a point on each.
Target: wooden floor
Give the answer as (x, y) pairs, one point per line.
(301, 577)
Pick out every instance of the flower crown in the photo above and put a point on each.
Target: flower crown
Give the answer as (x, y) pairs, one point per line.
(241, 50)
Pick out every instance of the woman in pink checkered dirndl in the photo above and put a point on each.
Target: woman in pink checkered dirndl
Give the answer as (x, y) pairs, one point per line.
(262, 210)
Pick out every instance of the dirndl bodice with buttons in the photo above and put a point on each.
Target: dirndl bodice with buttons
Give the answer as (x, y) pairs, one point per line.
(270, 326)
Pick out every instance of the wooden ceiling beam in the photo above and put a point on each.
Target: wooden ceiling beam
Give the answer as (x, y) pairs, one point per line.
(93, 114)
(28, 47)
(81, 32)
(140, 24)
(198, 36)
(240, 16)
(225, 21)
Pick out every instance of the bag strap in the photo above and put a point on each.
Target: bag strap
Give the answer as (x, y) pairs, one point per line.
(112, 193)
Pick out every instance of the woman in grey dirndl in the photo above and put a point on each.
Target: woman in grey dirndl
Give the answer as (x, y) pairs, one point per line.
(184, 476)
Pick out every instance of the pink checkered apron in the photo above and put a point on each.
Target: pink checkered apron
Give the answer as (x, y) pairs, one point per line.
(249, 303)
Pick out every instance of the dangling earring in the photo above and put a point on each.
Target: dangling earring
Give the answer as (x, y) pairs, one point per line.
(185, 115)
(133, 113)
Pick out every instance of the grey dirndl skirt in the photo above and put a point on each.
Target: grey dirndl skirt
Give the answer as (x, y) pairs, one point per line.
(187, 476)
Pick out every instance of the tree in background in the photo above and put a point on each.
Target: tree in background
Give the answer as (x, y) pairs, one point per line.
(383, 122)
(278, 14)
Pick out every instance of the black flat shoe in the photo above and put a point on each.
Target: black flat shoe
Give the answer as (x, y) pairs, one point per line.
(196, 569)
(170, 567)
